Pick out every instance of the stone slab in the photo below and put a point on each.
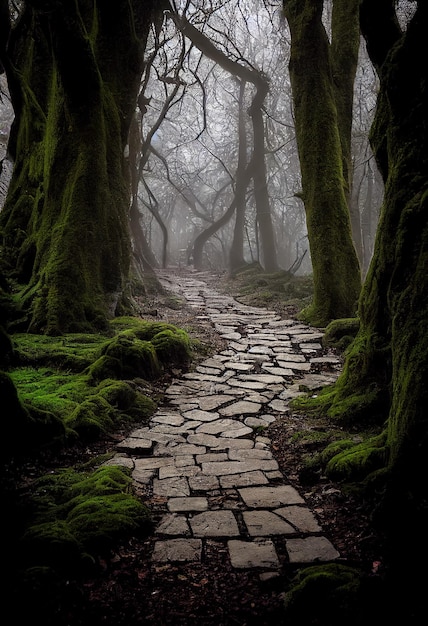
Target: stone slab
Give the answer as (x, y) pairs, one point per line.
(270, 497)
(203, 483)
(311, 549)
(242, 407)
(265, 523)
(214, 524)
(201, 416)
(171, 487)
(238, 467)
(173, 524)
(301, 517)
(192, 503)
(248, 554)
(243, 480)
(177, 550)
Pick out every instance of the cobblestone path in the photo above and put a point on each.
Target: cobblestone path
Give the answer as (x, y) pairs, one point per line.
(204, 456)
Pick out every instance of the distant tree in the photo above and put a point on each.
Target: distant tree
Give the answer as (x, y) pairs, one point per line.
(322, 77)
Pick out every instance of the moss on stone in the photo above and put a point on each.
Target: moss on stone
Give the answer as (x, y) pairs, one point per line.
(340, 333)
(78, 514)
(347, 461)
(332, 595)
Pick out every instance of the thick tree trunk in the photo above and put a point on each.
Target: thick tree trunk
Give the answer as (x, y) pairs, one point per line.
(390, 353)
(322, 126)
(74, 71)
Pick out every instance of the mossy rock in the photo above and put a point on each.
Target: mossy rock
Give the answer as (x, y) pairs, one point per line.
(92, 417)
(340, 333)
(78, 514)
(332, 595)
(355, 463)
(136, 357)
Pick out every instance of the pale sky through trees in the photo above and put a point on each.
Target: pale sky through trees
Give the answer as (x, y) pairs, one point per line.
(195, 147)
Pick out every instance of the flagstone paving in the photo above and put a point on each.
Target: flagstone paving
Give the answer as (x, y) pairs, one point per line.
(204, 457)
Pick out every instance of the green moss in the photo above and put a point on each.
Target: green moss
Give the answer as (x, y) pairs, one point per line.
(136, 357)
(355, 462)
(332, 595)
(71, 352)
(76, 514)
(340, 333)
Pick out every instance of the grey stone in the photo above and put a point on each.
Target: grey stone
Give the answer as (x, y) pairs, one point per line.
(297, 367)
(208, 403)
(143, 476)
(279, 405)
(152, 462)
(301, 517)
(237, 467)
(214, 524)
(242, 407)
(266, 379)
(311, 549)
(201, 416)
(123, 460)
(172, 419)
(214, 456)
(223, 425)
(247, 455)
(171, 487)
(192, 503)
(247, 384)
(172, 470)
(173, 524)
(281, 370)
(177, 550)
(243, 480)
(266, 523)
(203, 483)
(290, 357)
(248, 554)
(270, 497)
(136, 445)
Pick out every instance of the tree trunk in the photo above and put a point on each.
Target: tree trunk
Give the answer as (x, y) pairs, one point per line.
(322, 125)
(390, 353)
(236, 255)
(74, 72)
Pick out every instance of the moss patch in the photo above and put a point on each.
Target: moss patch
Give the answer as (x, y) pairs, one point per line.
(76, 517)
(333, 595)
(84, 385)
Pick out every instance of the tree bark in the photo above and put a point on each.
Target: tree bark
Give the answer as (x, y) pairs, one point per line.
(390, 353)
(322, 114)
(74, 71)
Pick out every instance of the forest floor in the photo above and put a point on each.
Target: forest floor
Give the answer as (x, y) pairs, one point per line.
(126, 591)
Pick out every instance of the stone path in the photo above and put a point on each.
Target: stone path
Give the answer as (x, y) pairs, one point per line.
(204, 456)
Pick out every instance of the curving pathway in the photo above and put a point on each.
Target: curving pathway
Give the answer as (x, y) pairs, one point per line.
(204, 458)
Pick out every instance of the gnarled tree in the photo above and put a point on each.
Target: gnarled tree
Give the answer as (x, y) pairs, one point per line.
(74, 71)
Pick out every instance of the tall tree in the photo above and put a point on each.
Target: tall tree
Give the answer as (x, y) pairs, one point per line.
(322, 76)
(74, 71)
(384, 380)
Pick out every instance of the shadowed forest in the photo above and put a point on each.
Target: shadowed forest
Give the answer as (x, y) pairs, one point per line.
(279, 149)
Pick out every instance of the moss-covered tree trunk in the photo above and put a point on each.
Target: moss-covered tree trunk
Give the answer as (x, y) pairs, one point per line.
(322, 85)
(390, 354)
(73, 70)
